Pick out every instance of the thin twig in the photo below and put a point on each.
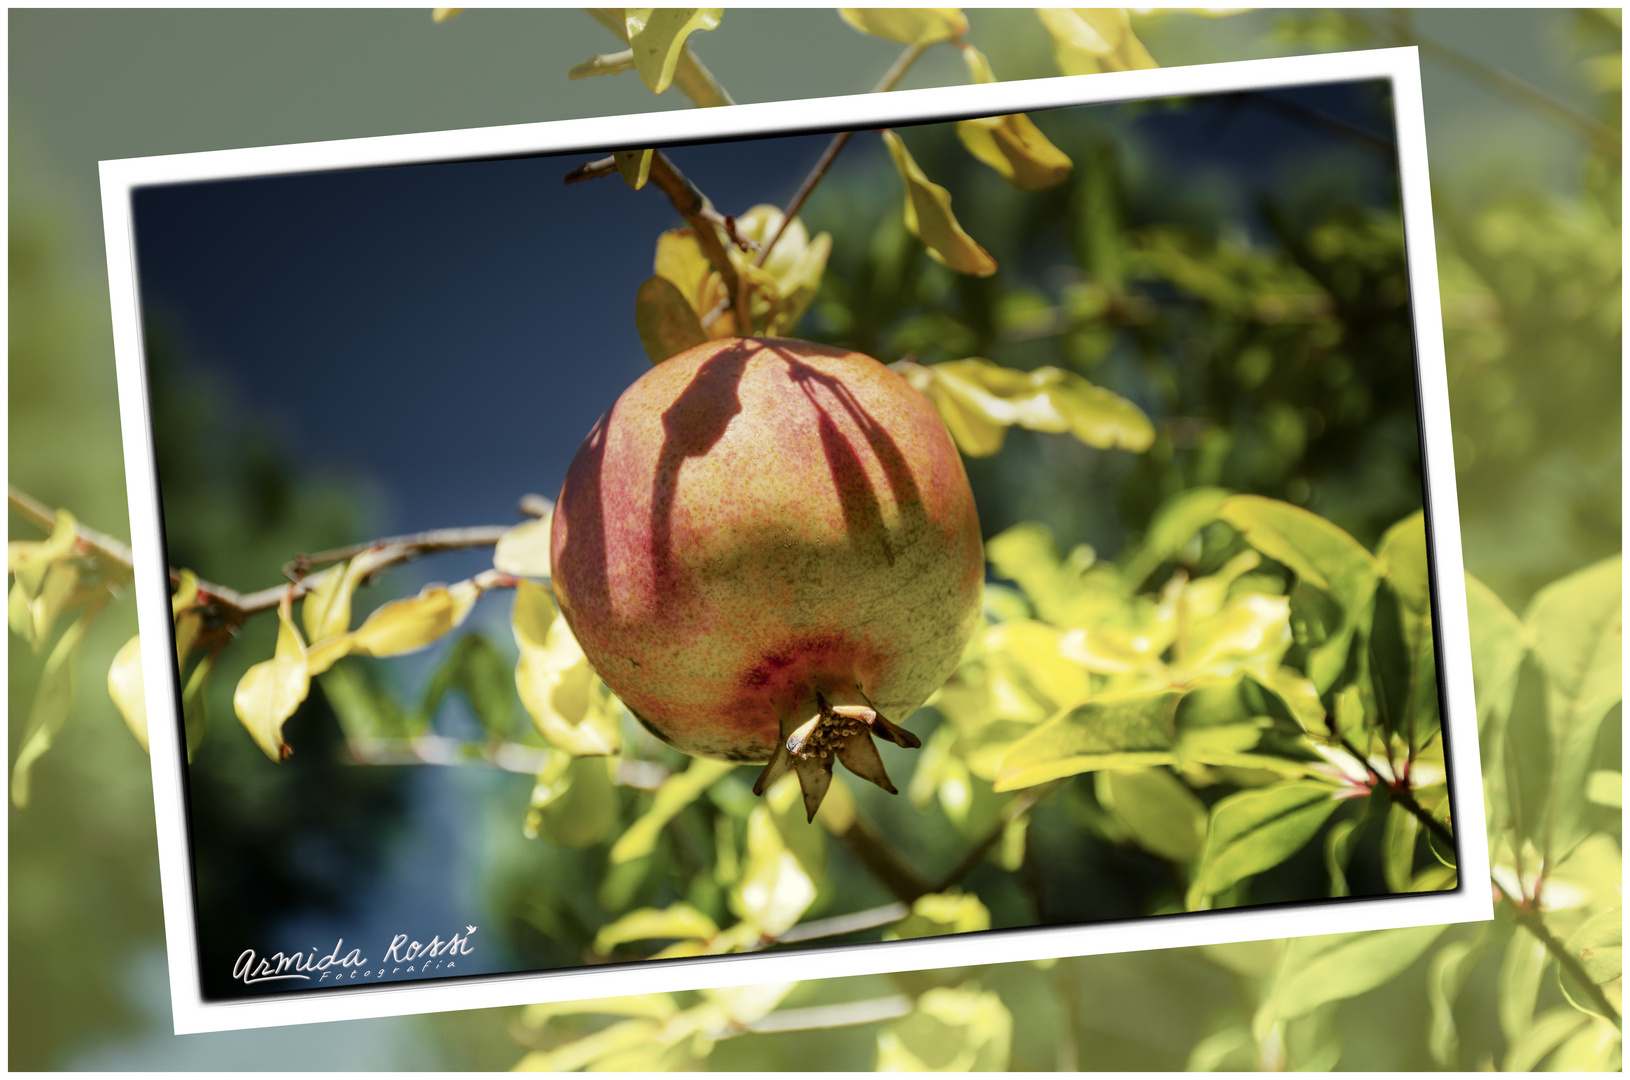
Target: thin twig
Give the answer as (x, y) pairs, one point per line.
(592, 170)
(853, 923)
(831, 1016)
(1401, 795)
(1014, 810)
(901, 65)
(1529, 918)
(694, 80)
(42, 515)
(694, 207)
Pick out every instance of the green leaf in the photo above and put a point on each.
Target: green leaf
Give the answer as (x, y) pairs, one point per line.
(979, 400)
(1550, 1029)
(666, 322)
(1444, 981)
(1174, 524)
(962, 1029)
(1162, 813)
(53, 702)
(1320, 554)
(1402, 558)
(125, 688)
(1598, 945)
(591, 1048)
(1113, 731)
(908, 26)
(676, 921)
(928, 217)
(195, 704)
(1576, 627)
(474, 669)
(676, 793)
(269, 692)
(1522, 972)
(1334, 967)
(941, 913)
(1089, 40)
(657, 36)
(1257, 829)
(634, 166)
(363, 710)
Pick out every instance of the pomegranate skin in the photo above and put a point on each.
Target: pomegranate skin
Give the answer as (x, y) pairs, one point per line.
(760, 529)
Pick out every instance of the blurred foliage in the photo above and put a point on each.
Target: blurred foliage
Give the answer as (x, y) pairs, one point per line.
(1233, 710)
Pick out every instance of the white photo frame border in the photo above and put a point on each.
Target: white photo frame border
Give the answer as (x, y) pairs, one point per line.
(1469, 902)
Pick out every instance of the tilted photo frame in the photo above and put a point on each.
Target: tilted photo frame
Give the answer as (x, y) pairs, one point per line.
(429, 325)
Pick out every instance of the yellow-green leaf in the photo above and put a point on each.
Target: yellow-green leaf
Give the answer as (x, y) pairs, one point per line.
(675, 921)
(125, 688)
(53, 702)
(326, 610)
(928, 217)
(591, 1048)
(775, 889)
(574, 802)
(269, 692)
(1113, 731)
(964, 1029)
(1017, 150)
(1402, 558)
(676, 793)
(1089, 40)
(634, 166)
(908, 26)
(566, 700)
(666, 322)
(30, 565)
(524, 550)
(442, 14)
(1162, 813)
(1257, 829)
(941, 913)
(657, 36)
(401, 626)
(1334, 967)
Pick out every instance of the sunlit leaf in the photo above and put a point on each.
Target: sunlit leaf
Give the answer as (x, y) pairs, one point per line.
(269, 692)
(1522, 972)
(666, 322)
(53, 702)
(652, 1006)
(979, 400)
(442, 14)
(1177, 520)
(326, 610)
(1333, 967)
(1499, 641)
(1257, 829)
(125, 688)
(941, 913)
(908, 26)
(1549, 1030)
(524, 550)
(657, 36)
(962, 1029)
(928, 217)
(775, 889)
(634, 166)
(676, 793)
(566, 700)
(1108, 732)
(1322, 555)
(1403, 562)
(1444, 981)
(574, 802)
(1576, 625)
(1017, 150)
(31, 564)
(1162, 813)
(591, 1048)
(1089, 40)
(674, 921)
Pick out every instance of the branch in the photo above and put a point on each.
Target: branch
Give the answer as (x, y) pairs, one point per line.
(886, 83)
(694, 207)
(831, 1016)
(875, 854)
(853, 923)
(1014, 810)
(694, 80)
(1401, 795)
(508, 756)
(115, 551)
(1530, 920)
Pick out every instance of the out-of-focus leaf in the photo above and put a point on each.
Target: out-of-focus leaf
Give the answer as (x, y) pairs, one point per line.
(1333, 967)
(775, 888)
(979, 400)
(1522, 972)
(928, 217)
(1591, 1048)
(195, 704)
(634, 166)
(524, 550)
(1550, 1029)
(908, 26)
(941, 913)
(1257, 829)
(574, 802)
(1444, 981)
(53, 702)
(657, 36)
(1576, 625)
(961, 1029)
(1402, 558)
(125, 688)
(568, 703)
(1250, 633)
(475, 669)
(29, 563)
(1163, 814)
(269, 692)
(675, 921)
(1598, 945)
(364, 712)
(1108, 732)
(591, 1048)
(1012, 145)
(442, 14)
(1605, 787)
(1177, 520)
(666, 323)
(1320, 554)
(1089, 40)
(676, 793)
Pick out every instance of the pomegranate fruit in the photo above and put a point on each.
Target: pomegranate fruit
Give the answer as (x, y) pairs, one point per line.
(769, 551)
